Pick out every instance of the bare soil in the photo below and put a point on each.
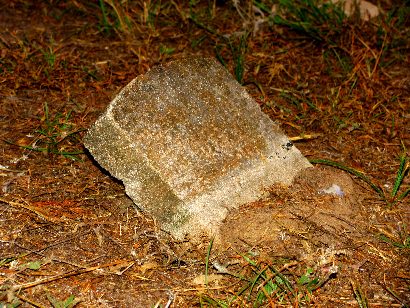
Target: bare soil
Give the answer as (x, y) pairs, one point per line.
(67, 227)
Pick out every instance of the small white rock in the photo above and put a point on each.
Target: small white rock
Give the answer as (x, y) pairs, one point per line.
(333, 190)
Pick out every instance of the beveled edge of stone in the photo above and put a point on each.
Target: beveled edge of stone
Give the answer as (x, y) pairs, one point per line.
(253, 183)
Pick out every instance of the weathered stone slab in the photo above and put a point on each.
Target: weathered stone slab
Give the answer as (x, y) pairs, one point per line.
(189, 143)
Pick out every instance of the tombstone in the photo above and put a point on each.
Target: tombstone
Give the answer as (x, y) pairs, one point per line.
(189, 143)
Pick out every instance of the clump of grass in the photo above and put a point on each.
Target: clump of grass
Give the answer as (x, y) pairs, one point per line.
(402, 243)
(7, 65)
(114, 17)
(50, 57)
(359, 296)
(56, 135)
(400, 239)
(69, 302)
(238, 52)
(268, 284)
(338, 63)
(151, 13)
(164, 50)
(262, 283)
(299, 100)
(390, 198)
(395, 28)
(321, 20)
(238, 46)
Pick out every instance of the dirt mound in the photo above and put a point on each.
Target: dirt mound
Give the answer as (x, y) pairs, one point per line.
(298, 220)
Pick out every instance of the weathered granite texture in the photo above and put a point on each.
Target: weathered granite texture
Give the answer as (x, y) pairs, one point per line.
(189, 143)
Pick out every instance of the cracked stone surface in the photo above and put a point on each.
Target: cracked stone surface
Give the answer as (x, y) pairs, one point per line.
(189, 144)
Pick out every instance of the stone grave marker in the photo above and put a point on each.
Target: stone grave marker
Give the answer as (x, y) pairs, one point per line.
(189, 143)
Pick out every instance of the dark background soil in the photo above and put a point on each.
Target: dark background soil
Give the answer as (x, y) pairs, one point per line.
(67, 227)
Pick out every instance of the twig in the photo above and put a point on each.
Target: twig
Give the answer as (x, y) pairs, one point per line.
(28, 207)
(48, 246)
(31, 302)
(64, 275)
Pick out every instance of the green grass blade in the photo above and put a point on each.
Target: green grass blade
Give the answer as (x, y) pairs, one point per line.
(208, 253)
(48, 150)
(255, 280)
(249, 260)
(355, 172)
(284, 280)
(401, 173)
(404, 194)
(106, 24)
(360, 296)
(46, 114)
(397, 297)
